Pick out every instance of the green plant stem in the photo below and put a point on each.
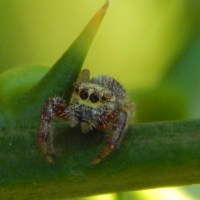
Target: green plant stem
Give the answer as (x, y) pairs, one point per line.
(151, 155)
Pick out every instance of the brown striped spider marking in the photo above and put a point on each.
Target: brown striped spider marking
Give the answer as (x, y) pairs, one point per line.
(100, 103)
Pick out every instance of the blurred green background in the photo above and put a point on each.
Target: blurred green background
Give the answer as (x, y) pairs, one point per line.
(151, 47)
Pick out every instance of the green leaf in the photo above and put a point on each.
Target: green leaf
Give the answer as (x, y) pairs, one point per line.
(59, 79)
(17, 81)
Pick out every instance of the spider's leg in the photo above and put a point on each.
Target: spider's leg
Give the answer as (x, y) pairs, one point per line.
(114, 137)
(53, 107)
(84, 76)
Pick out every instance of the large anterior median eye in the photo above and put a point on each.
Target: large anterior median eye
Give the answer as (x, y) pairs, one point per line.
(94, 97)
(84, 94)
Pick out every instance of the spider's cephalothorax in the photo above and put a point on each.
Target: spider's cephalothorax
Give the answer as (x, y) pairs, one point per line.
(100, 102)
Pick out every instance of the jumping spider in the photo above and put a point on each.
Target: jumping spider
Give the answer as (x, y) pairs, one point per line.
(100, 102)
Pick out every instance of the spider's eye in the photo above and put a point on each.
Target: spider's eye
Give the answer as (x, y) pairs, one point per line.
(103, 98)
(76, 89)
(84, 94)
(94, 97)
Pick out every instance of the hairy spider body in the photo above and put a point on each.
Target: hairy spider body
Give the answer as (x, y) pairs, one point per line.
(100, 102)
